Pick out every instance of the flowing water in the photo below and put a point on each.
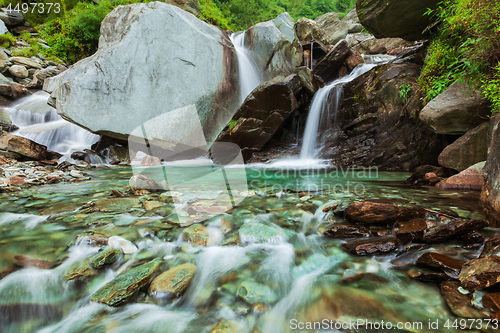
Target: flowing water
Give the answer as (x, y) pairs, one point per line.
(250, 74)
(281, 272)
(40, 122)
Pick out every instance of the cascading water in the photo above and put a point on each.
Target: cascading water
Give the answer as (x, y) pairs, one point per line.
(250, 75)
(39, 122)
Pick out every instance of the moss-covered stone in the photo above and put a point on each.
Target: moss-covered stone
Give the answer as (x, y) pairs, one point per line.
(106, 257)
(172, 283)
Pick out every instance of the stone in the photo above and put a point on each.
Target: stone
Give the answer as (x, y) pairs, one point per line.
(11, 90)
(255, 232)
(26, 62)
(80, 271)
(456, 110)
(491, 247)
(307, 30)
(3, 28)
(253, 292)
(18, 71)
(459, 304)
(41, 75)
(225, 326)
(12, 18)
(427, 276)
(420, 173)
(284, 23)
(378, 46)
(196, 233)
(470, 179)
(199, 79)
(117, 204)
(141, 182)
(492, 301)
(22, 146)
(120, 289)
(411, 231)
(354, 60)
(191, 6)
(396, 18)
(172, 283)
(376, 245)
(472, 237)
(442, 263)
(380, 213)
(490, 196)
(347, 231)
(150, 205)
(16, 181)
(452, 229)
(118, 242)
(334, 31)
(328, 66)
(480, 273)
(105, 257)
(5, 122)
(310, 82)
(469, 149)
(24, 261)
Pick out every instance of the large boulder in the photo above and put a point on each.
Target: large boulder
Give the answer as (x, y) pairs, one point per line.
(11, 18)
(191, 6)
(396, 18)
(24, 148)
(471, 178)
(159, 72)
(284, 22)
(333, 31)
(455, 111)
(3, 28)
(490, 197)
(327, 68)
(469, 149)
(307, 30)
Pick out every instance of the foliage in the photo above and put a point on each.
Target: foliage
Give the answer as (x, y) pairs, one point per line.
(7, 40)
(404, 91)
(213, 14)
(466, 48)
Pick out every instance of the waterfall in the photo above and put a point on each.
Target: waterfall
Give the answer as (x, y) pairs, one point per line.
(250, 75)
(40, 122)
(326, 103)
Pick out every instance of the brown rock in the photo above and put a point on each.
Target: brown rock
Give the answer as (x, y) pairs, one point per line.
(380, 213)
(427, 276)
(490, 196)
(24, 261)
(11, 90)
(174, 282)
(452, 230)
(375, 245)
(459, 304)
(412, 230)
(16, 181)
(354, 60)
(22, 146)
(480, 273)
(347, 231)
(472, 237)
(330, 207)
(442, 263)
(491, 247)
(196, 233)
(141, 182)
(327, 67)
(470, 179)
(492, 301)
(150, 160)
(419, 174)
(362, 276)
(432, 178)
(380, 232)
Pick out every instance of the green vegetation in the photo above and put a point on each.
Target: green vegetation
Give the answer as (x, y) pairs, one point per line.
(466, 48)
(404, 92)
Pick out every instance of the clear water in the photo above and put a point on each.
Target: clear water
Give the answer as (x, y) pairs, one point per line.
(303, 269)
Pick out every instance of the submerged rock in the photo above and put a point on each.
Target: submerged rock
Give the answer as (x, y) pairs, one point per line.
(347, 231)
(172, 283)
(447, 265)
(141, 182)
(376, 245)
(452, 230)
(80, 271)
(253, 292)
(412, 230)
(196, 233)
(380, 213)
(255, 232)
(225, 326)
(121, 288)
(105, 257)
(459, 304)
(121, 243)
(480, 273)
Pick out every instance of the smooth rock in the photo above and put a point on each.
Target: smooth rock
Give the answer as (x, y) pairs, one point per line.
(354, 60)
(307, 30)
(376, 245)
(12, 18)
(378, 46)
(172, 283)
(455, 111)
(347, 231)
(196, 233)
(469, 149)
(284, 22)
(490, 196)
(453, 229)
(419, 174)
(396, 18)
(184, 60)
(480, 273)
(253, 292)
(24, 261)
(26, 62)
(411, 231)
(80, 271)
(327, 67)
(442, 263)
(141, 182)
(492, 301)
(459, 304)
(18, 71)
(105, 257)
(191, 6)
(150, 205)
(427, 276)
(3, 28)
(334, 31)
(118, 242)
(470, 179)
(22, 146)
(380, 213)
(472, 237)
(255, 232)
(225, 326)
(121, 288)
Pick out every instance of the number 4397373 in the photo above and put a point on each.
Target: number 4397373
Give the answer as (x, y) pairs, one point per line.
(35, 7)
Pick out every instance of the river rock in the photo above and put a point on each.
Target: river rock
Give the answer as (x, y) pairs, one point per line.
(11, 18)
(307, 30)
(22, 146)
(470, 179)
(80, 271)
(472, 237)
(26, 62)
(492, 301)
(491, 247)
(196, 233)
(480, 273)
(191, 6)
(18, 71)
(442, 263)
(411, 231)
(490, 196)
(41, 75)
(197, 75)
(380, 213)
(347, 231)
(452, 229)
(328, 66)
(396, 18)
(5, 122)
(420, 173)
(11, 90)
(427, 276)
(121, 288)
(141, 182)
(334, 31)
(225, 326)
(255, 232)
(118, 242)
(105, 257)
(459, 304)
(253, 292)
(172, 283)
(376, 245)
(455, 111)
(469, 149)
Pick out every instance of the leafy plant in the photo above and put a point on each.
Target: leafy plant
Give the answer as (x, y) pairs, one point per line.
(404, 91)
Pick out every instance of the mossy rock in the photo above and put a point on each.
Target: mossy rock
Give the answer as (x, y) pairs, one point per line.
(106, 257)
(172, 283)
(80, 271)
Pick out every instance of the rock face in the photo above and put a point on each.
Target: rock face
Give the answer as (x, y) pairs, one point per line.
(455, 111)
(469, 149)
(172, 283)
(380, 213)
(307, 30)
(152, 81)
(284, 23)
(191, 6)
(490, 197)
(471, 178)
(395, 18)
(23, 147)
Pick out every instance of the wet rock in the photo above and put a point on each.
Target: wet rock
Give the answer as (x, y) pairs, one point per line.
(491, 247)
(377, 245)
(141, 182)
(490, 196)
(470, 179)
(11, 90)
(432, 178)
(150, 205)
(253, 292)
(80, 271)
(472, 237)
(117, 204)
(118, 242)
(442, 263)
(327, 67)
(453, 229)
(334, 30)
(16, 181)
(380, 213)
(225, 326)
(196, 233)
(379, 232)
(22, 146)
(354, 60)
(121, 288)
(480, 273)
(419, 174)
(347, 231)
(362, 276)
(455, 111)
(24, 261)
(469, 149)
(459, 304)
(254, 232)
(412, 230)
(172, 283)
(492, 301)
(427, 276)
(105, 257)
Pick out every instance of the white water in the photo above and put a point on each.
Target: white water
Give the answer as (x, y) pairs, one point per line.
(250, 75)
(40, 122)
